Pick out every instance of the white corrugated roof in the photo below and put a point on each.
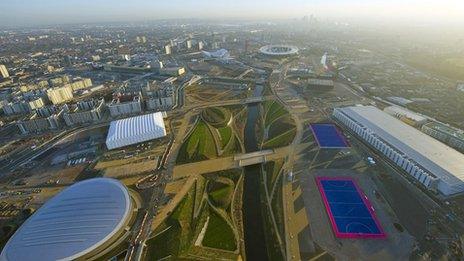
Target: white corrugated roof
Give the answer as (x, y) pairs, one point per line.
(135, 129)
(73, 223)
(441, 160)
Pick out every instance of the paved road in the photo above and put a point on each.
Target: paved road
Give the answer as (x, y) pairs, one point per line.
(44, 147)
(291, 242)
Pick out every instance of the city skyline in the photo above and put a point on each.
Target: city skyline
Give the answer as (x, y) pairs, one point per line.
(51, 12)
(231, 130)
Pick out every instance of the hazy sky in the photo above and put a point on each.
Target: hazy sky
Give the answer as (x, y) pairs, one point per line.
(29, 12)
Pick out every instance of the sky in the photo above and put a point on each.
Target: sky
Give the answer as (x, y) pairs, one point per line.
(43, 12)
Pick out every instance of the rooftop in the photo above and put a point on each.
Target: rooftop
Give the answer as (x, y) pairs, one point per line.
(73, 223)
(278, 50)
(443, 161)
(447, 129)
(135, 129)
(405, 112)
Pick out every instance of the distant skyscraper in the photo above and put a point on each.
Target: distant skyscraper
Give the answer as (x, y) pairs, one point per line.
(168, 49)
(3, 71)
(324, 60)
(201, 45)
(189, 44)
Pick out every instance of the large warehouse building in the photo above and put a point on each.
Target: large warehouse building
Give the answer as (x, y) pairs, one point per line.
(435, 165)
(135, 130)
(83, 222)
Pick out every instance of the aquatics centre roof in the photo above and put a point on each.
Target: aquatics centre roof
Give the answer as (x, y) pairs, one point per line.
(72, 224)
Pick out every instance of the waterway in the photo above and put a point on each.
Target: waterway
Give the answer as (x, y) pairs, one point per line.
(255, 243)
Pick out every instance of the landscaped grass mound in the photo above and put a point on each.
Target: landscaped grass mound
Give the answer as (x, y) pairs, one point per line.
(219, 234)
(225, 135)
(173, 237)
(273, 111)
(217, 117)
(198, 146)
(199, 227)
(272, 169)
(279, 127)
(220, 192)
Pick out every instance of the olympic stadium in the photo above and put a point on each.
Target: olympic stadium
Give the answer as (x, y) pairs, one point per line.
(279, 50)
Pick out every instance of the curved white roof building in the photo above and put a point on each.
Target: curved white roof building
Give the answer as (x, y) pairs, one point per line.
(279, 50)
(220, 54)
(79, 222)
(135, 129)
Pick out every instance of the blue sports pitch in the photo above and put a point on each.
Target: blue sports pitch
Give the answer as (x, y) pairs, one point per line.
(328, 136)
(350, 212)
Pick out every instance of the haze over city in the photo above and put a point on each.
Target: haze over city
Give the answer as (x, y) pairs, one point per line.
(231, 130)
(35, 12)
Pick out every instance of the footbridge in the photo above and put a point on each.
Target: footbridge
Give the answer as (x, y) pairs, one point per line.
(252, 158)
(231, 162)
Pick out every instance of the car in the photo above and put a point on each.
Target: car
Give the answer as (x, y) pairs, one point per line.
(371, 160)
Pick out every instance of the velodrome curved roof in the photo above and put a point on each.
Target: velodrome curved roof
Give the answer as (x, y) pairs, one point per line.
(279, 50)
(73, 223)
(137, 129)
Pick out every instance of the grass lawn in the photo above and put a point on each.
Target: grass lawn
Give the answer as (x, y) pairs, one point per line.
(277, 208)
(176, 239)
(282, 140)
(280, 126)
(274, 112)
(165, 244)
(270, 233)
(220, 193)
(219, 234)
(272, 171)
(199, 145)
(225, 134)
(216, 116)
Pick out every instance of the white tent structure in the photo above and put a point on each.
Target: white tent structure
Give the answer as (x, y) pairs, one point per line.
(134, 130)
(218, 54)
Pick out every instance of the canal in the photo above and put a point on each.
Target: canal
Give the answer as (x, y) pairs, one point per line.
(255, 243)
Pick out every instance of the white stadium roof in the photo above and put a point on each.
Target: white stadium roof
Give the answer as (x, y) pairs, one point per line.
(279, 50)
(72, 224)
(442, 161)
(135, 130)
